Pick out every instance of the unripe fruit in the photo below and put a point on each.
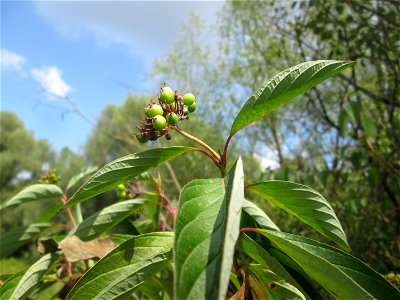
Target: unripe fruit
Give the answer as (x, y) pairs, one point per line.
(172, 118)
(122, 195)
(192, 107)
(167, 95)
(188, 99)
(142, 139)
(159, 122)
(185, 111)
(121, 187)
(153, 110)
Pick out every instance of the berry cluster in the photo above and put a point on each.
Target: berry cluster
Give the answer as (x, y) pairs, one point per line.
(122, 192)
(51, 177)
(172, 107)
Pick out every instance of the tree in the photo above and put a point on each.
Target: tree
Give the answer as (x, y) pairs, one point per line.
(344, 137)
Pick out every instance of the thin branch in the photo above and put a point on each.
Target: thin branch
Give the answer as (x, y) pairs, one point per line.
(197, 141)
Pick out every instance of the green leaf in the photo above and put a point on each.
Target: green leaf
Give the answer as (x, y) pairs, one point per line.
(306, 204)
(78, 177)
(369, 125)
(33, 275)
(14, 239)
(118, 273)
(293, 268)
(273, 285)
(118, 239)
(258, 215)
(341, 274)
(353, 111)
(123, 169)
(36, 192)
(7, 289)
(207, 228)
(105, 219)
(255, 251)
(284, 87)
(48, 212)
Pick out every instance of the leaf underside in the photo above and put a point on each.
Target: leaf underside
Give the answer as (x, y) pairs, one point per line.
(206, 229)
(306, 204)
(284, 87)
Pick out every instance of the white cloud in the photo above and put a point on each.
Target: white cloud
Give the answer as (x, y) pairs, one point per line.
(268, 160)
(50, 80)
(12, 60)
(148, 28)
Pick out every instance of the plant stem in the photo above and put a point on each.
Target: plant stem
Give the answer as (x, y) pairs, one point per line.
(198, 141)
(64, 201)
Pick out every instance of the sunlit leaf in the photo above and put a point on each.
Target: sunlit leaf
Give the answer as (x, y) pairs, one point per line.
(206, 229)
(36, 192)
(258, 215)
(306, 204)
(78, 177)
(125, 268)
(105, 219)
(33, 275)
(7, 289)
(284, 87)
(123, 169)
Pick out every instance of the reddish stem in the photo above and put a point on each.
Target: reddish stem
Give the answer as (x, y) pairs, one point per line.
(214, 160)
(226, 149)
(68, 268)
(164, 222)
(64, 201)
(248, 229)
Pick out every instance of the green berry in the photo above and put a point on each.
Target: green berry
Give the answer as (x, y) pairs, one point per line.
(185, 111)
(172, 118)
(153, 110)
(188, 99)
(167, 95)
(142, 139)
(159, 122)
(122, 195)
(192, 107)
(121, 187)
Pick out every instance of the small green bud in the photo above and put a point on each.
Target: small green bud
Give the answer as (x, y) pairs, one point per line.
(172, 118)
(159, 122)
(153, 110)
(188, 99)
(192, 107)
(167, 95)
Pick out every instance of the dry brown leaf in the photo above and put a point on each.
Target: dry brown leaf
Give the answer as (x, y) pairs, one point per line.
(74, 249)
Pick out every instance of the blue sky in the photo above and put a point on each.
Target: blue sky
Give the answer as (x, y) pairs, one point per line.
(74, 49)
